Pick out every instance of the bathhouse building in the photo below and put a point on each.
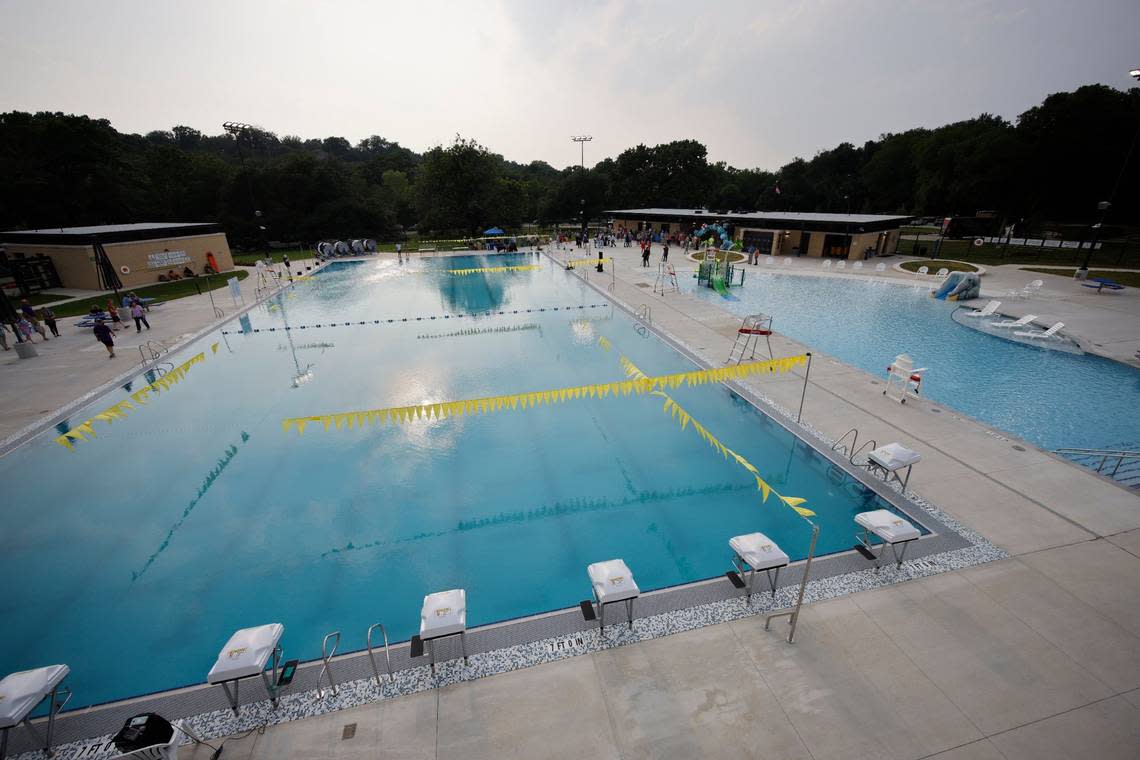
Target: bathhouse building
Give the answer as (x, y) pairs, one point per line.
(781, 233)
(65, 257)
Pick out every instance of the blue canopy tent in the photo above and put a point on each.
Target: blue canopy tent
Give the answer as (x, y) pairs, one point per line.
(494, 231)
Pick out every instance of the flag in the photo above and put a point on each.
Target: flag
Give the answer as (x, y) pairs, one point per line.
(777, 188)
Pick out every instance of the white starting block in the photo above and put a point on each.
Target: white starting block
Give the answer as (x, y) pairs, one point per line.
(890, 529)
(444, 614)
(21, 692)
(245, 656)
(757, 552)
(892, 458)
(612, 582)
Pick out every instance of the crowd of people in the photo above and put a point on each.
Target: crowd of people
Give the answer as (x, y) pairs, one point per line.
(106, 320)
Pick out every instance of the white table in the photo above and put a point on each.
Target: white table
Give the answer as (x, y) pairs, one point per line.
(612, 581)
(21, 692)
(245, 656)
(891, 458)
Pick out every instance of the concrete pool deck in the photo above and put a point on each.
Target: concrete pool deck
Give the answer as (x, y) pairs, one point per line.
(1033, 656)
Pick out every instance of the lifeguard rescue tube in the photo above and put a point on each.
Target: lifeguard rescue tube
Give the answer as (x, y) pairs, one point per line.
(212, 261)
(125, 269)
(753, 331)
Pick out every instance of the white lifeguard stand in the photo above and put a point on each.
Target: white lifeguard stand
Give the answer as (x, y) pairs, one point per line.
(666, 281)
(21, 692)
(903, 379)
(754, 327)
(612, 581)
(245, 655)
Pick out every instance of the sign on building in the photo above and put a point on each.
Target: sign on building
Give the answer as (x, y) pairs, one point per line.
(167, 259)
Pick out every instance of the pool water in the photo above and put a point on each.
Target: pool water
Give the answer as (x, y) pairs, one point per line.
(134, 556)
(1050, 398)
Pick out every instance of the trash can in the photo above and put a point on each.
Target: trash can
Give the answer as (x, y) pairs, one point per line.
(26, 350)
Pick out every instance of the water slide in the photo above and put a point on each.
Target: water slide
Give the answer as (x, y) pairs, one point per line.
(720, 287)
(959, 286)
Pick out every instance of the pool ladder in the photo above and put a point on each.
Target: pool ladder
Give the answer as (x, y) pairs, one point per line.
(853, 448)
(328, 653)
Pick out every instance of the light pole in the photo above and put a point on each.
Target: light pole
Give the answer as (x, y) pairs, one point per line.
(582, 140)
(1104, 206)
(238, 130)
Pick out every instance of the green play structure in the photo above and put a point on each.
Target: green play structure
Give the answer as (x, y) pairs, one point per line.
(720, 276)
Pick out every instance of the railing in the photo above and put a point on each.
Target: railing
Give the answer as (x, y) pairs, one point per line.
(372, 655)
(1106, 456)
(327, 655)
(645, 313)
(853, 449)
(150, 351)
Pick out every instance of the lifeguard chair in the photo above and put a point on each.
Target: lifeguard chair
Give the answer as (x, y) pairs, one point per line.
(754, 327)
(666, 279)
(904, 380)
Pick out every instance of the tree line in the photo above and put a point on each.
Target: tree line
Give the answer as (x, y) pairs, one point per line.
(1053, 164)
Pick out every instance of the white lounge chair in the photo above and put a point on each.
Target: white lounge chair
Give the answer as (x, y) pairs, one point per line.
(922, 270)
(757, 552)
(889, 528)
(841, 264)
(612, 581)
(1039, 333)
(165, 751)
(880, 267)
(1027, 319)
(444, 613)
(857, 266)
(943, 272)
(826, 264)
(787, 261)
(985, 311)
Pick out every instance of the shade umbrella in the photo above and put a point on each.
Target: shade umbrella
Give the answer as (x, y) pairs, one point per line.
(108, 277)
(494, 231)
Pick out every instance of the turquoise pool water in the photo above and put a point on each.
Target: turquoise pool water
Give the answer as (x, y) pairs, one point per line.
(1050, 398)
(134, 556)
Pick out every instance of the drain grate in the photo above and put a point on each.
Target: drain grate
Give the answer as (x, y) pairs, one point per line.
(1018, 448)
(348, 732)
(643, 284)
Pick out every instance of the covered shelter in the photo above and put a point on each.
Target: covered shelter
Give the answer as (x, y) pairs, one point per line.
(69, 257)
(779, 233)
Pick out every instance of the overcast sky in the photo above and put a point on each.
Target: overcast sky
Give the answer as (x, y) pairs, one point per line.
(758, 82)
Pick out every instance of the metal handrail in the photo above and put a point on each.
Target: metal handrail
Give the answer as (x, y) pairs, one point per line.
(869, 443)
(645, 313)
(839, 443)
(1105, 455)
(325, 657)
(372, 656)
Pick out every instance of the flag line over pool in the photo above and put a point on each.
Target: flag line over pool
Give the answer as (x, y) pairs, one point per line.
(488, 404)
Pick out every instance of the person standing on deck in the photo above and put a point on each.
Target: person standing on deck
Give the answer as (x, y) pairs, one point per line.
(104, 336)
(140, 318)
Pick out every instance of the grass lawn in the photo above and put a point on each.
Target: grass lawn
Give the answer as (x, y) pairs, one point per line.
(1132, 279)
(920, 230)
(935, 264)
(166, 291)
(1112, 254)
(35, 299)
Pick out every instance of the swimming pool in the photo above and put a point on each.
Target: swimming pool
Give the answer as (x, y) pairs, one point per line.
(1050, 398)
(193, 514)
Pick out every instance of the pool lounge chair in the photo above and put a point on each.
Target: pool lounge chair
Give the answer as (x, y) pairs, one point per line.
(985, 311)
(1031, 288)
(165, 751)
(1028, 318)
(880, 267)
(1041, 333)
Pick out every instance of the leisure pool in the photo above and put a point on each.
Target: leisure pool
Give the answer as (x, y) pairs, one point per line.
(134, 555)
(1050, 398)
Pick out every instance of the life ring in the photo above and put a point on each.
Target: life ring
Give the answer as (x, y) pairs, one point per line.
(978, 242)
(125, 269)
